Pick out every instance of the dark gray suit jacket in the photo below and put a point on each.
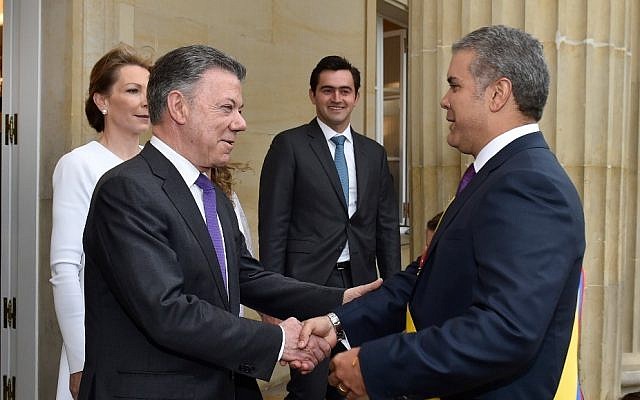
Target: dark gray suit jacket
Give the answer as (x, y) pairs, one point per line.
(303, 218)
(159, 324)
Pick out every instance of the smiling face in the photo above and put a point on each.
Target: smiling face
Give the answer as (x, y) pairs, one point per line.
(467, 107)
(126, 102)
(335, 98)
(213, 120)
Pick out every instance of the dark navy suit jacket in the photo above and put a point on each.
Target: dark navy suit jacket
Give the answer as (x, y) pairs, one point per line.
(495, 301)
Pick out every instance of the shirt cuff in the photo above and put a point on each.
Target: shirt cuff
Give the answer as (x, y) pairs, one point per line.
(345, 342)
(282, 345)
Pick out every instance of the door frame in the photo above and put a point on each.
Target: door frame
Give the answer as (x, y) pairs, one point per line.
(20, 191)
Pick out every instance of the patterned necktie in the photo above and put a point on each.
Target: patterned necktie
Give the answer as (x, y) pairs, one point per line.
(466, 178)
(211, 215)
(341, 165)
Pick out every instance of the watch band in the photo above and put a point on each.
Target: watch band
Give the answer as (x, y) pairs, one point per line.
(335, 321)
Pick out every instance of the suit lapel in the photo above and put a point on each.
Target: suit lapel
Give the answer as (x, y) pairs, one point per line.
(227, 216)
(319, 146)
(182, 199)
(528, 141)
(362, 172)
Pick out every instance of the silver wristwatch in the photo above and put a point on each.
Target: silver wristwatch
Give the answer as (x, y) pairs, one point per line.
(335, 321)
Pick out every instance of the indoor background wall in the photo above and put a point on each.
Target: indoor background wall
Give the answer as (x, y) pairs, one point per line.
(591, 119)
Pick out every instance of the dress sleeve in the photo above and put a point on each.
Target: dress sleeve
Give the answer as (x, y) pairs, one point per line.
(72, 189)
(243, 224)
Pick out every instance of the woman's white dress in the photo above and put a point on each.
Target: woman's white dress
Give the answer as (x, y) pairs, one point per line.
(74, 179)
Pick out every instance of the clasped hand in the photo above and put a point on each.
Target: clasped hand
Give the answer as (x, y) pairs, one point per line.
(345, 373)
(303, 356)
(305, 348)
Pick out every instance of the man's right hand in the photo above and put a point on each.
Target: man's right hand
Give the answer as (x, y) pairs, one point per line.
(303, 358)
(74, 384)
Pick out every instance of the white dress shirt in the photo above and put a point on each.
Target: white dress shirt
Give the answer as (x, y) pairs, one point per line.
(500, 142)
(190, 174)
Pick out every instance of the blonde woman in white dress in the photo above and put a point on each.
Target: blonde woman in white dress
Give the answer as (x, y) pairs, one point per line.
(117, 109)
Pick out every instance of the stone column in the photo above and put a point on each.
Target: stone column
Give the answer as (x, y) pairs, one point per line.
(591, 123)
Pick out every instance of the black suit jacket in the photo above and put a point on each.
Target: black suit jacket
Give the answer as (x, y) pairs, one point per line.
(159, 323)
(303, 218)
(495, 302)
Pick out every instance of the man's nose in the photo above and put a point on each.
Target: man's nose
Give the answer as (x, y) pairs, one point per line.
(239, 124)
(444, 101)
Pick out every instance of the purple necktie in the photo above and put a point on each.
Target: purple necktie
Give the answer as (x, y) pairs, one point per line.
(211, 215)
(466, 178)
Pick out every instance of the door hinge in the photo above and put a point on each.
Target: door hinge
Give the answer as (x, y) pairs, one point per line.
(8, 388)
(11, 129)
(9, 312)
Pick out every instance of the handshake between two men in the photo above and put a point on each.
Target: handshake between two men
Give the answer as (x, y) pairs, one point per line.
(308, 343)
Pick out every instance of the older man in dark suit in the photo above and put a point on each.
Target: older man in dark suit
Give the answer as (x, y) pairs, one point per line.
(166, 265)
(494, 301)
(328, 210)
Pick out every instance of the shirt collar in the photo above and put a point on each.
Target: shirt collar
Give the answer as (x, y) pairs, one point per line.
(500, 142)
(187, 170)
(329, 133)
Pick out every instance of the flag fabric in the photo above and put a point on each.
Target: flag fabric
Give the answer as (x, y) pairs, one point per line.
(569, 386)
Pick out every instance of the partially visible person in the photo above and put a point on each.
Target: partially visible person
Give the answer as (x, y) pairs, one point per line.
(432, 225)
(328, 211)
(117, 109)
(223, 178)
(167, 266)
(494, 302)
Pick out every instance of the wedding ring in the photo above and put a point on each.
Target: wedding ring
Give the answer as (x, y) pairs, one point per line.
(343, 390)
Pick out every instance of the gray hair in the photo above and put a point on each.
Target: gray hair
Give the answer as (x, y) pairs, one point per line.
(181, 69)
(501, 51)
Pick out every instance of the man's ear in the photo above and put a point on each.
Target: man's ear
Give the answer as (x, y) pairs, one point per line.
(312, 97)
(500, 94)
(177, 107)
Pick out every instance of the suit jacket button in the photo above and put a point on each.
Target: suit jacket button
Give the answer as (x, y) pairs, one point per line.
(246, 368)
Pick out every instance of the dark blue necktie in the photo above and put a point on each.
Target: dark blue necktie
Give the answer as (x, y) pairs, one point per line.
(341, 165)
(211, 215)
(466, 178)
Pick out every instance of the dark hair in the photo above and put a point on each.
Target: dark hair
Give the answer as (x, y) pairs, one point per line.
(432, 224)
(180, 69)
(104, 74)
(334, 63)
(502, 51)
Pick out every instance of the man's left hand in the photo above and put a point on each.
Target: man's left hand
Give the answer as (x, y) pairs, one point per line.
(346, 376)
(357, 291)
